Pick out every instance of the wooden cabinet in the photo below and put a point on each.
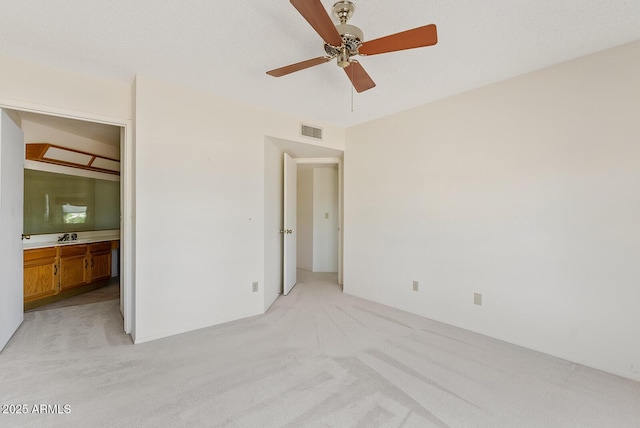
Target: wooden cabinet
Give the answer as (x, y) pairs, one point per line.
(100, 260)
(74, 266)
(52, 271)
(40, 273)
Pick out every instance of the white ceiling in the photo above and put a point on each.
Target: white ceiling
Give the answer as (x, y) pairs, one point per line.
(226, 47)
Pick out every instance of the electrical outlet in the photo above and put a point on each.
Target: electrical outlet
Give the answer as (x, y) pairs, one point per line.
(326, 215)
(477, 299)
(255, 287)
(415, 286)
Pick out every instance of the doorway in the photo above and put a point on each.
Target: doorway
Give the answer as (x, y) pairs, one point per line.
(274, 203)
(123, 129)
(312, 186)
(317, 217)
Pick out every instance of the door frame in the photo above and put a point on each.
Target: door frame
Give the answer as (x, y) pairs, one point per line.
(126, 194)
(334, 161)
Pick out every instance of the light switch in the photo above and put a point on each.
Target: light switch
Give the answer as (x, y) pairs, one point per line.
(326, 215)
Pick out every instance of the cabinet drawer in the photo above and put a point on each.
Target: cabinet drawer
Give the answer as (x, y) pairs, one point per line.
(99, 247)
(73, 250)
(39, 254)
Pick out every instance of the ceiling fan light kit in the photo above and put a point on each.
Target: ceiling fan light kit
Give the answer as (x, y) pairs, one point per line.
(343, 41)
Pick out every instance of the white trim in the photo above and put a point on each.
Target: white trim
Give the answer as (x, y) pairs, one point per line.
(127, 238)
(337, 161)
(127, 228)
(303, 161)
(340, 221)
(62, 112)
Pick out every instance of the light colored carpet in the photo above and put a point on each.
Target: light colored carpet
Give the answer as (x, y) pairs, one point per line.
(317, 358)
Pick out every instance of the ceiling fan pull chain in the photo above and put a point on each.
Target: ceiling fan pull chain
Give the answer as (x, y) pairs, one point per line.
(351, 95)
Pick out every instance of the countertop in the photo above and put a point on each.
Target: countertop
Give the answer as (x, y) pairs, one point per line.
(51, 240)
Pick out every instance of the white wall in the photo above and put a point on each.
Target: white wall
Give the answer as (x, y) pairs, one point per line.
(305, 220)
(325, 219)
(525, 191)
(26, 82)
(200, 205)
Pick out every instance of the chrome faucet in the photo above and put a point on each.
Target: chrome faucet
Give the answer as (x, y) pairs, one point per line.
(64, 237)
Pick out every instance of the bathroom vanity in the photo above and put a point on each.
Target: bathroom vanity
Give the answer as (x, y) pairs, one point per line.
(55, 270)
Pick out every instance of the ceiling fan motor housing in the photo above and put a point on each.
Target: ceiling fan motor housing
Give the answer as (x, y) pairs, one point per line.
(352, 36)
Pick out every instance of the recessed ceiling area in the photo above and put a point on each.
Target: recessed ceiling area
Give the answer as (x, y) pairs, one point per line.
(99, 132)
(226, 48)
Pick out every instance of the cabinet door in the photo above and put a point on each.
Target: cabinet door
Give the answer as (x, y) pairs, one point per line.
(74, 266)
(100, 255)
(40, 273)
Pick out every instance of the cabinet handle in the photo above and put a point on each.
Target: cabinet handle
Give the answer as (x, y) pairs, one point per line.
(91, 262)
(85, 263)
(55, 269)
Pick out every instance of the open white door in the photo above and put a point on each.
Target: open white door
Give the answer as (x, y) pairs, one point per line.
(11, 201)
(289, 226)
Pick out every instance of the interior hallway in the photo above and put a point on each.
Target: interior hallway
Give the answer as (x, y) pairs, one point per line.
(317, 358)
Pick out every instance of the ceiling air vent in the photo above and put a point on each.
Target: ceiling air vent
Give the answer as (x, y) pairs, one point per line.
(310, 131)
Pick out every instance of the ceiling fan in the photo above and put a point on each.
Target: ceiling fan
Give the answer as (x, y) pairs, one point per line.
(344, 41)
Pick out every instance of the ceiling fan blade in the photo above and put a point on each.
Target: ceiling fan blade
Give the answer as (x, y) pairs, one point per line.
(416, 38)
(317, 16)
(359, 78)
(282, 71)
